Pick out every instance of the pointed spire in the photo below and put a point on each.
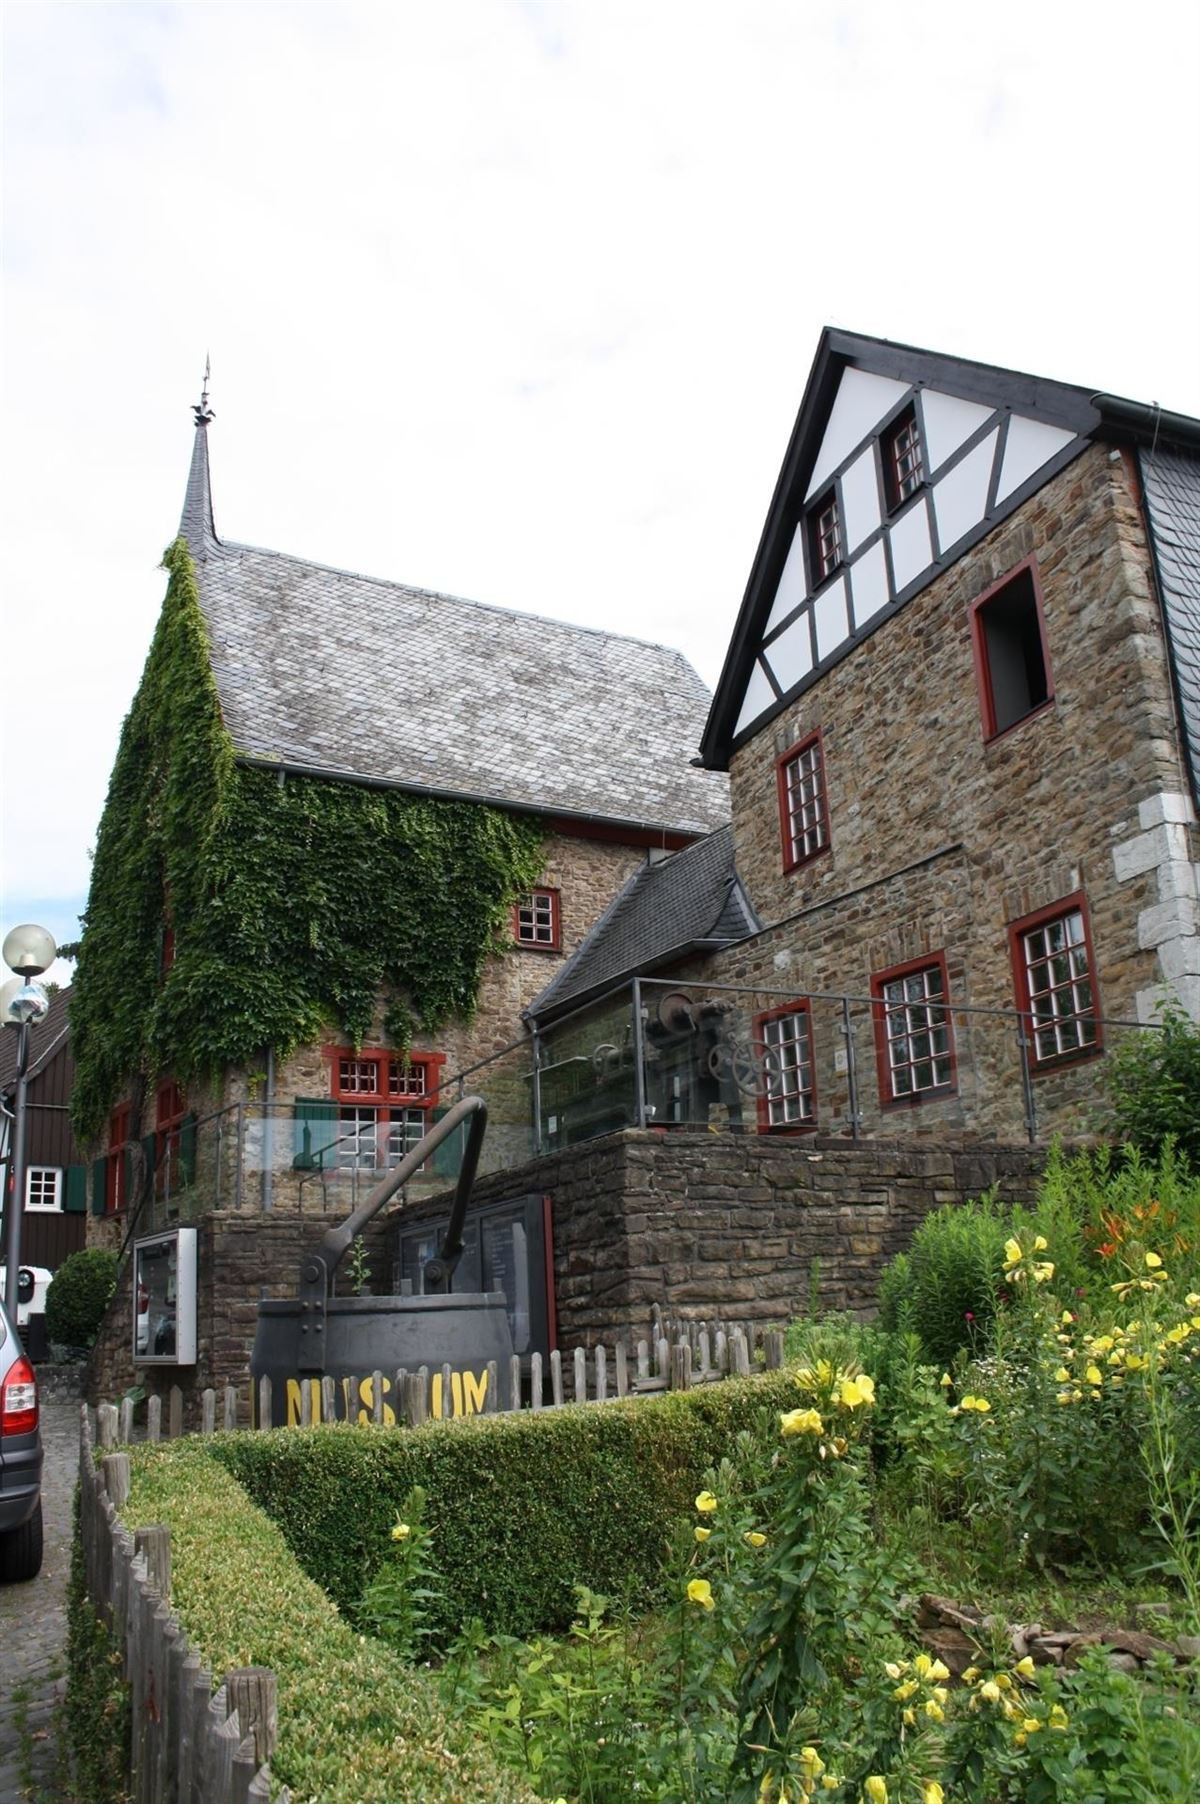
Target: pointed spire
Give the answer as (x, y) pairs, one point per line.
(196, 523)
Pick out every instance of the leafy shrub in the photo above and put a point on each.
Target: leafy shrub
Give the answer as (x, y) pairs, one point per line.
(78, 1298)
(1154, 1086)
(944, 1289)
(521, 1509)
(357, 1725)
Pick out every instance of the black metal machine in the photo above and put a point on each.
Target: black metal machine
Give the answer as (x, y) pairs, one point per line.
(318, 1335)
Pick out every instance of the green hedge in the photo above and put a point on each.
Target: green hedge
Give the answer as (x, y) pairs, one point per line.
(522, 1507)
(356, 1724)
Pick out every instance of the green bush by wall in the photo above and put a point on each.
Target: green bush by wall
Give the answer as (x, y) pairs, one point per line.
(78, 1299)
(522, 1507)
(356, 1724)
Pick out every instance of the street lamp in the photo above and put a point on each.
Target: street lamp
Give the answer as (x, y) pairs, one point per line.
(28, 950)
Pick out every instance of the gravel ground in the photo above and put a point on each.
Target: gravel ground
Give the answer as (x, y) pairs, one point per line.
(33, 1626)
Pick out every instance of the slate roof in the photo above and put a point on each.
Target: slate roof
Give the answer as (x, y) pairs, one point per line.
(1171, 483)
(692, 901)
(44, 1041)
(349, 676)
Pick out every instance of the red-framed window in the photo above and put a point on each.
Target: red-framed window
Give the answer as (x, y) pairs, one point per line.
(824, 538)
(787, 1100)
(1008, 640)
(384, 1103)
(169, 1111)
(1054, 976)
(803, 804)
(903, 460)
(537, 920)
(116, 1177)
(914, 1031)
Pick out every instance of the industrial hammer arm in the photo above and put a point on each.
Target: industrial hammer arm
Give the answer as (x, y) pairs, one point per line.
(317, 1269)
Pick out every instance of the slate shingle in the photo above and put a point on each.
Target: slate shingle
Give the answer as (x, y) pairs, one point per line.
(1171, 482)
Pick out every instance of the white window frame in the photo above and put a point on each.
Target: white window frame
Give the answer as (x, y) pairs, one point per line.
(42, 1206)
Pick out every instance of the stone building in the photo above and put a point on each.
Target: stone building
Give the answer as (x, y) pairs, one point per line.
(961, 716)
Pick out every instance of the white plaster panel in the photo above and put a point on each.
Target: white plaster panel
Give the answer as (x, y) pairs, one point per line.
(1165, 807)
(912, 550)
(869, 583)
(949, 423)
(860, 404)
(860, 500)
(758, 698)
(793, 585)
(833, 625)
(790, 656)
(1030, 445)
(960, 497)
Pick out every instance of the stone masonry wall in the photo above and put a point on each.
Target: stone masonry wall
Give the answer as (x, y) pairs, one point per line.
(939, 840)
(703, 1225)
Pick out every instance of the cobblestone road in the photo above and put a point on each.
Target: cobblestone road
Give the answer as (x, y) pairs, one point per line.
(33, 1626)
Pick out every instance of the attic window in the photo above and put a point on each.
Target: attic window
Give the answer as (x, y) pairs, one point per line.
(1011, 662)
(903, 465)
(824, 538)
(536, 920)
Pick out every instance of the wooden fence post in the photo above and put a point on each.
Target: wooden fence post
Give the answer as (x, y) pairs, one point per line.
(556, 1378)
(153, 1418)
(580, 1375)
(125, 1431)
(230, 1419)
(253, 1693)
(264, 1403)
(115, 1467)
(153, 1543)
(208, 1411)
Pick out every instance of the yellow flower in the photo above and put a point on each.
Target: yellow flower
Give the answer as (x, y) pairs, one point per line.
(895, 1669)
(702, 1534)
(945, 1381)
(1057, 1718)
(934, 1711)
(1094, 1375)
(700, 1592)
(1193, 1299)
(1030, 1724)
(876, 1789)
(1026, 1668)
(813, 1765)
(1040, 1243)
(800, 1421)
(990, 1690)
(1012, 1253)
(706, 1503)
(971, 1675)
(979, 1404)
(401, 1532)
(755, 1539)
(938, 1672)
(903, 1692)
(1062, 1376)
(1153, 1262)
(932, 1793)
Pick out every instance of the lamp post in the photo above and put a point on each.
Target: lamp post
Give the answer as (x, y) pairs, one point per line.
(28, 950)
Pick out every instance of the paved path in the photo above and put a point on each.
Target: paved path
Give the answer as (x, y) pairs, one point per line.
(33, 1627)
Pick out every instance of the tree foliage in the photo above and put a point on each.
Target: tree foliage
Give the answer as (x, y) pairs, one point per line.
(1154, 1083)
(293, 905)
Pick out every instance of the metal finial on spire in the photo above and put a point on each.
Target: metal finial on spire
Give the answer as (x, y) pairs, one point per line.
(203, 411)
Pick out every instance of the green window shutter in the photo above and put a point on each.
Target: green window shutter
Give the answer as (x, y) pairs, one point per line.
(314, 1123)
(75, 1192)
(187, 1150)
(99, 1185)
(447, 1158)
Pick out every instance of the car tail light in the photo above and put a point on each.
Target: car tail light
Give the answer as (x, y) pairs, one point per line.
(18, 1400)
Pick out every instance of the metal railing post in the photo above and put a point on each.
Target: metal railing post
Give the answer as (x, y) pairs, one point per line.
(240, 1159)
(536, 1094)
(1027, 1082)
(851, 1072)
(639, 1070)
(220, 1156)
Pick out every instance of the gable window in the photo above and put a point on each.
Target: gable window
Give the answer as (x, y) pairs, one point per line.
(824, 538)
(788, 1098)
(1053, 974)
(385, 1102)
(914, 1034)
(1011, 662)
(43, 1188)
(536, 920)
(903, 464)
(117, 1175)
(803, 806)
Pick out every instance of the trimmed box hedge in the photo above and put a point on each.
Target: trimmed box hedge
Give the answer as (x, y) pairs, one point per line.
(522, 1507)
(357, 1725)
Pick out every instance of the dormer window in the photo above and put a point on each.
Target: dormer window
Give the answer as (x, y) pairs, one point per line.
(903, 465)
(824, 538)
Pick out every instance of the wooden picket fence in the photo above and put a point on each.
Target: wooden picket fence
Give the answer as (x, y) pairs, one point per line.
(678, 1356)
(190, 1743)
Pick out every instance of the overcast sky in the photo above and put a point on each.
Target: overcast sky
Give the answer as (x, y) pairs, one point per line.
(516, 299)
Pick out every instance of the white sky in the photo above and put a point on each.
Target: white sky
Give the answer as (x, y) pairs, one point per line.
(516, 299)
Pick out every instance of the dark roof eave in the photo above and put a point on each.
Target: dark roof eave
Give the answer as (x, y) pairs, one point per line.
(555, 810)
(578, 999)
(1145, 422)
